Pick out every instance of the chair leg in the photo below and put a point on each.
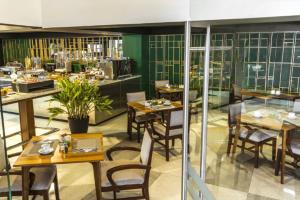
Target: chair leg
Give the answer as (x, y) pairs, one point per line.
(229, 145)
(46, 195)
(56, 188)
(146, 193)
(173, 142)
(278, 162)
(243, 146)
(167, 149)
(115, 195)
(129, 128)
(256, 155)
(138, 132)
(261, 148)
(274, 144)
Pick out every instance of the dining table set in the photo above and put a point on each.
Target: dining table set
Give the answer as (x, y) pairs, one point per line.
(279, 120)
(61, 148)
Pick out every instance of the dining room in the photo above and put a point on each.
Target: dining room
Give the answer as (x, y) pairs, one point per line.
(91, 136)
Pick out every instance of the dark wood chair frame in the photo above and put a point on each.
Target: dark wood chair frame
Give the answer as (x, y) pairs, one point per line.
(256, 146)
(289, 152)
(133, 124)
(44, 193)
(167, 137)
(117, 188)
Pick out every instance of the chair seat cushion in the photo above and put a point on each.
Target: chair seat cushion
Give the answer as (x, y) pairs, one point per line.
(44, 177)
(295, 147)
(146, 117)
(124, 177)
(161, 129)
(257, 136)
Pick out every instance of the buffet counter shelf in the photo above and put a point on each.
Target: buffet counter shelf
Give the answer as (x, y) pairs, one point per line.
(115, 89)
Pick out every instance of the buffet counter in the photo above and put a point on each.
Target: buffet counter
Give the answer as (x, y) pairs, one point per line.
(115, 89)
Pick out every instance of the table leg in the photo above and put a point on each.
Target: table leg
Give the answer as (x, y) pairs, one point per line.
(97, 177)
(25, 183)
(26, 119)
(283, 156)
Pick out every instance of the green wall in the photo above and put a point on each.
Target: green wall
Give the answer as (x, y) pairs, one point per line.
(136, 47)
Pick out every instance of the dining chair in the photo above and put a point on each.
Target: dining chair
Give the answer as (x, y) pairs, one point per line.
(293, 150)
(117, 175)
(158, 84)
(195, 102)
(136, 120)
(171, 130)
(253, 136)
(236, 93)
(296, 106)
(41, 179)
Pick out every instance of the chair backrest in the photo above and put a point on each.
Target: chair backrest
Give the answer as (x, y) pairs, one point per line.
(175, 117)
(136, 96)
(235, 111)
(193, 95)
(296, 107)
(161, 83)
(236, 90)
(2, 155)
(147, 148)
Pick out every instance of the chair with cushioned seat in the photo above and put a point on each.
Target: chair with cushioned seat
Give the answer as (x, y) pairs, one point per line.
(173, 129)
(236, 93)
(293, 150)
(117, 175)
(158, 84)
(41, 179)
(135, 119)
(254, 136)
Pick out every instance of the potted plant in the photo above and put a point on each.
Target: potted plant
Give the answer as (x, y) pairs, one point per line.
(78, 98)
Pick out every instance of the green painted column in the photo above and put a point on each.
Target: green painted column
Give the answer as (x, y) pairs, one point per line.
(136, 47)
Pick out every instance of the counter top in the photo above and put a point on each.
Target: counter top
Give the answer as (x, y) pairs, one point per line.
(14, 98)
(107, 82)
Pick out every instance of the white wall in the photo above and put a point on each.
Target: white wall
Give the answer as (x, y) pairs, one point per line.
(240, 9)
(21, 12)
(66, 13)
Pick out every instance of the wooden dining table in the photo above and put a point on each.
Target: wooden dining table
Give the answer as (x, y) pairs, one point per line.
(26, 111)
(27, 160)
(266, 95)
(140, 106)
(172, 93)
(272, 119)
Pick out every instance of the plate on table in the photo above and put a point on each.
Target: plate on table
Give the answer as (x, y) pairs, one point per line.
(43, 151)
(167, 103)
(292, 117)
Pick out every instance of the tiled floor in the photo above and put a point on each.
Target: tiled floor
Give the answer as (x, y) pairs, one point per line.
(227, 178)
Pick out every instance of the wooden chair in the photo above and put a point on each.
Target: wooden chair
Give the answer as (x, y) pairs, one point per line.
(137, 120)
(256, 137)
(117, 175)
(195, 102)
(293, 150)
(236, 93)
(171, 130)
(161, 83)
(41, 179)
(292, 144)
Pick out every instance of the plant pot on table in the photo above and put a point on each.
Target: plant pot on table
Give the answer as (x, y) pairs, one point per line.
(78, 125)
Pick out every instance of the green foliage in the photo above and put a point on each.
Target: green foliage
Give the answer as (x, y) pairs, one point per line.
(78, 98)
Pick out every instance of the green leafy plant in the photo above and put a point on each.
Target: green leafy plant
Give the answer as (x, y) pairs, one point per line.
(78, 98)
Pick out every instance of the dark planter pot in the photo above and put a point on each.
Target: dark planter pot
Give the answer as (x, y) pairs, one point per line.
(78, 125)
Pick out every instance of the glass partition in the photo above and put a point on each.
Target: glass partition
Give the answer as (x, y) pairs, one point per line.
(5, 179)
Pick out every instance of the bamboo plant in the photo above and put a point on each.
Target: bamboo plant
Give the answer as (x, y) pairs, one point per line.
(78, 98)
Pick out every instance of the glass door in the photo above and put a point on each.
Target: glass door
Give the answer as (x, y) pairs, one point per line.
(196, 81)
